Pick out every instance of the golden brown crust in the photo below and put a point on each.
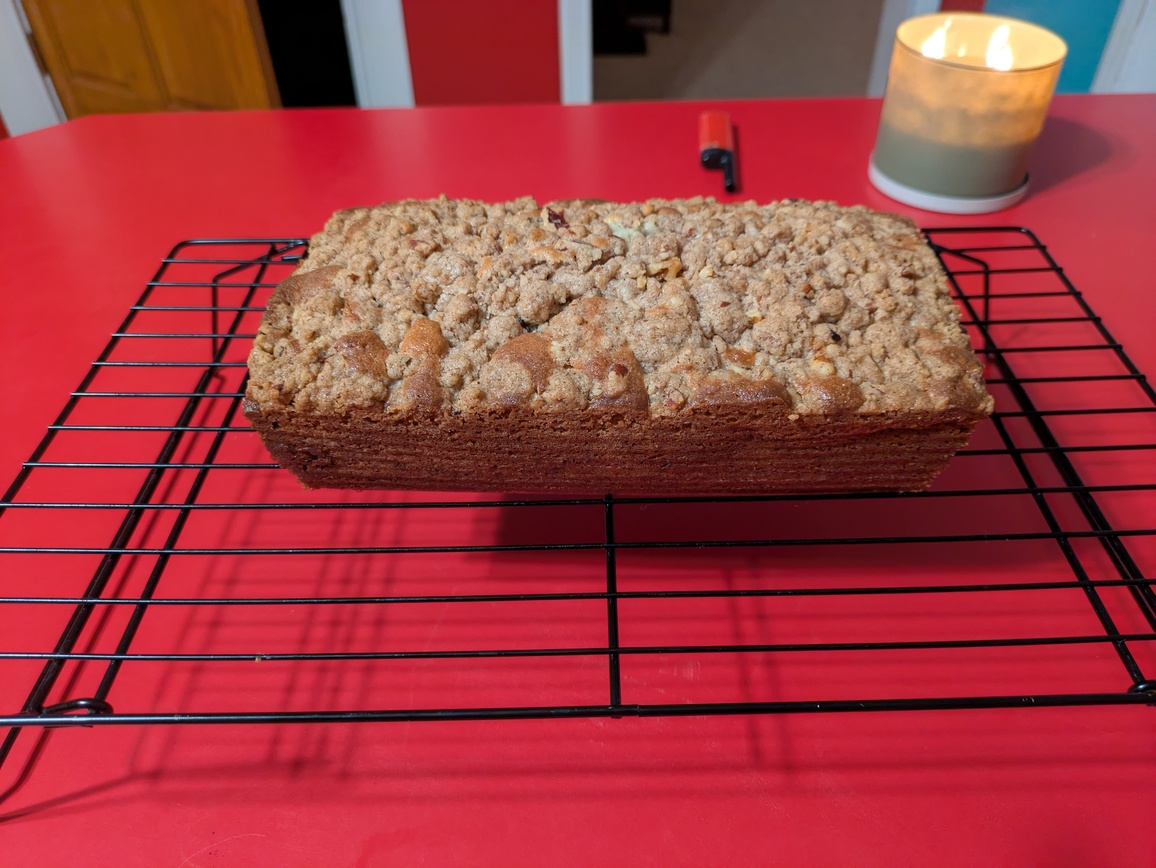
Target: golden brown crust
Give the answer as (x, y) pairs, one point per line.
(650, 320)
(712, 449)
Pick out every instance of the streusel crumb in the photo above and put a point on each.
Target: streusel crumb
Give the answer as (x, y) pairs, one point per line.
(459, 307)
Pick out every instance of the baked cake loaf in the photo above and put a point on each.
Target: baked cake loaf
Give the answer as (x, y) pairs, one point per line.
(661, 347)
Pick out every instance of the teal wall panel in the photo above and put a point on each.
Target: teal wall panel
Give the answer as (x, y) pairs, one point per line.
(1083, 24)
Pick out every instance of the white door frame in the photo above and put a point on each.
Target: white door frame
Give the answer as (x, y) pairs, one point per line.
(378, 53)
(576, 50)
(894, 13)
(27, 98)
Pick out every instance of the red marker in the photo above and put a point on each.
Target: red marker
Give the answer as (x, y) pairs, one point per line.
(716, 144)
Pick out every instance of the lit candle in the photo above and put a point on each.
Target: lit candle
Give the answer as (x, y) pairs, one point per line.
(966, 99)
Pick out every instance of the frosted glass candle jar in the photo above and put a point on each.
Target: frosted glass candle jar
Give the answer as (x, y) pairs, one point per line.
(966, 99)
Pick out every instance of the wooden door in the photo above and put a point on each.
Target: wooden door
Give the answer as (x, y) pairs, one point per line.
(153, 55)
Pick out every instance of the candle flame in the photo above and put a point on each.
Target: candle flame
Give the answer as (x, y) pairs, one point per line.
(999, 53)
(935, 45)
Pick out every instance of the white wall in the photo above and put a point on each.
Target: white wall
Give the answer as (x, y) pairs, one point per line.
(378, 53)
(1129, 61)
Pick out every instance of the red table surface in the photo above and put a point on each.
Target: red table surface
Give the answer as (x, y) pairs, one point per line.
(87, 211)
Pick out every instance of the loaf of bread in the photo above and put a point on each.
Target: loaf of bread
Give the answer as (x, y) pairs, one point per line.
(655, 348)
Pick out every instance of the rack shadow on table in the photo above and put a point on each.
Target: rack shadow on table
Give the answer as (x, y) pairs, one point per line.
(159, 569)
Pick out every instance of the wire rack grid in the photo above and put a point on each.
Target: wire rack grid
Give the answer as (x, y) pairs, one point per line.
(157, 568)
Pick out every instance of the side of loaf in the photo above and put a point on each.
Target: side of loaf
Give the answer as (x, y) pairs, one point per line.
(661, 347)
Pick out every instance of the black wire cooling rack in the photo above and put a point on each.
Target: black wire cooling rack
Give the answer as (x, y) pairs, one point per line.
(157, 568)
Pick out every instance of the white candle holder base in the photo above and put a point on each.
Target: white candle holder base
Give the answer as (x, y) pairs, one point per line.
(888, 186)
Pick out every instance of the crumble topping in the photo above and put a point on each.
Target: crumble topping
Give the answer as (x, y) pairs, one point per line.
(654, 307)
